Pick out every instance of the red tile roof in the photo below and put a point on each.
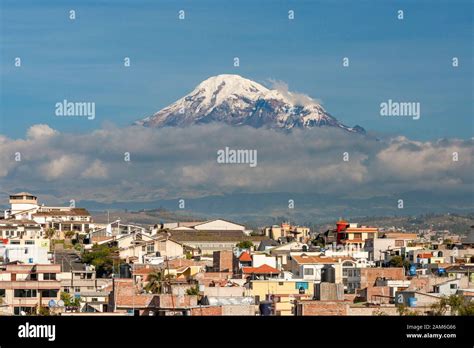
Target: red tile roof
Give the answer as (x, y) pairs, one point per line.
(425, 256)
(263, 269)
(245, 257)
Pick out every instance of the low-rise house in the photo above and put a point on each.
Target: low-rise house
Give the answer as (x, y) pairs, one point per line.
(298, 233)
(260, 272)
(317, 268)
(447, 288)
(458, 271)
(282, 293)
(94, 301)
(377, 247)
(116, 229)
(127, 297)
(411, 298)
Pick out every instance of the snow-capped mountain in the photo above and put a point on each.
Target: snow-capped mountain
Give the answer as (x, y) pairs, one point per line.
(235, 100)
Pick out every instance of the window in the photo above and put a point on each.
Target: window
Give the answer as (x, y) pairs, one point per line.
(49, 276)
(357, 235)
(150, 248)
(49, 293)
(281, 283)
(308, 271)
(24, 293)
(453, 286)
(77, 289)
(66, 289)
(34, 276)
(95, 299)
(143, 248)
(29, 242)
(2, 292)
(15, 242)
(344, 272)
(399, 243)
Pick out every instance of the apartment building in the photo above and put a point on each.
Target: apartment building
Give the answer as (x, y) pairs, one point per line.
(23, 288)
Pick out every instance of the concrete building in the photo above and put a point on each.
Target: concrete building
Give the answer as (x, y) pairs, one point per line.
(25, 206)
(24, 287)
(25, 253)
(282, 293)
(317, 268)
(378, 247)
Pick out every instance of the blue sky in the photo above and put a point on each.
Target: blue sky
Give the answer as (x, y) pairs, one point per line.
(82, 60)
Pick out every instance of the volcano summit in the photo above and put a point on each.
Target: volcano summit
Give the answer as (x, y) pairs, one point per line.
(238, 101)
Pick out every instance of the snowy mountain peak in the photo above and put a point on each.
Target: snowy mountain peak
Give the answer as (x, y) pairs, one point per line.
(235, 100)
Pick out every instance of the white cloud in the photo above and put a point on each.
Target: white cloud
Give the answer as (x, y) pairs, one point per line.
(181, 162)
(296, 98)
(97, 170)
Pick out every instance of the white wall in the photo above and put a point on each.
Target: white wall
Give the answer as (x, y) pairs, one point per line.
(260, 259)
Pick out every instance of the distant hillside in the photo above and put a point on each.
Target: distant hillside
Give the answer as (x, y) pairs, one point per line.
(144, 217)
(455, 223)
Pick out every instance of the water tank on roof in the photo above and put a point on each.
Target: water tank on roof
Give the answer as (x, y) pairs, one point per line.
(412, 302)
(125, 271)
(265, 308)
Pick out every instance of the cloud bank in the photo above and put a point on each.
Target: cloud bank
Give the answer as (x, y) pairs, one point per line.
(182, 162)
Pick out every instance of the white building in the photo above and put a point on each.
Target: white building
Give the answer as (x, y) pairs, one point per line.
(24, 206)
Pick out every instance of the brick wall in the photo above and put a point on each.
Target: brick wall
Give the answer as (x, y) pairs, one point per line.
(206, 311)
(223, 261)
(239, 310)
(173, 301)
(369, 275)
(370, 294)
(322, 308)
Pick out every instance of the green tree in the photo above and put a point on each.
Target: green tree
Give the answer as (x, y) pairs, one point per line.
(458, 304)
(398, 261)
(102, 257)
(69, 234)
(193, 291)
(41, 311)
(50, 233)
(245, 244)
(69, 300)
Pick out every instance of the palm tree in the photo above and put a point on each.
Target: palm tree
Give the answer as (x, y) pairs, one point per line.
(155, 282)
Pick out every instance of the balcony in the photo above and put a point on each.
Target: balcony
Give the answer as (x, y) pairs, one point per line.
(30, 284)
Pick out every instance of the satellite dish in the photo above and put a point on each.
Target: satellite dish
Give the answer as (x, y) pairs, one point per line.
(60, 303)
(52, 303)
(22, 313)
